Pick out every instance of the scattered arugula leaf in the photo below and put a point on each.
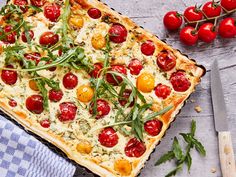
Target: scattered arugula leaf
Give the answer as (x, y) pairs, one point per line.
(177, 152)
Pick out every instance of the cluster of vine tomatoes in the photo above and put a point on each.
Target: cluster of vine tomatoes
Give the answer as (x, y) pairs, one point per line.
(201, 23)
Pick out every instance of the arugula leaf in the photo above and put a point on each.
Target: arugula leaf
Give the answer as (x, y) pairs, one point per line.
(177, 149)
(193, 127)
(188, 161)
(41, 86)
(174, 171)
(53, 84)
(166, 157)
(155, 114)
(198, 146)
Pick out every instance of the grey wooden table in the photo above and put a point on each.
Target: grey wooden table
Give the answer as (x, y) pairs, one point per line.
(149, 14)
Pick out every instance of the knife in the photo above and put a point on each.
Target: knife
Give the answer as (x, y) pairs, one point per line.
(226, 153)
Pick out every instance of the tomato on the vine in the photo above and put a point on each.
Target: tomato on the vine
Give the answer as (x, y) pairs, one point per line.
(188, 35)
(227, 28)
(211, 9)
(172, 20)
(228, 4)
(207, 33)
(193, 14)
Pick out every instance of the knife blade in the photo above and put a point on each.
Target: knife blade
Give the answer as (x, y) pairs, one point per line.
(226, 152)
(219, 108)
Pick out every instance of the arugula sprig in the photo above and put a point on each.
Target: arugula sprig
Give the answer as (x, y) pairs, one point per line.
(178, 154)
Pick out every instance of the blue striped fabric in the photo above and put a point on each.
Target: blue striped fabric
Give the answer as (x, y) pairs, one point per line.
(21, 155)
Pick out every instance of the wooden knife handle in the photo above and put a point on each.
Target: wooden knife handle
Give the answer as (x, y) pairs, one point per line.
(226, 151)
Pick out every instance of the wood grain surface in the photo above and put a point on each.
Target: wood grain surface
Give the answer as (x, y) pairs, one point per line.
(149, 14)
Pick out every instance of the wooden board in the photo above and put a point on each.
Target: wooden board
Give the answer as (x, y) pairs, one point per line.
(149, 14)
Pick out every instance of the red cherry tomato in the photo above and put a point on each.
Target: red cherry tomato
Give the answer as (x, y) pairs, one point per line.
(12, 103)
(55, 95)
(116, 80)
(188, 35)
(95, 73)
(118, 33)
(94, 13)
(125, 97)
(70, 81)
(162, 91)
(21, 3)
(148, 48)
(228, 4)
(153, 127)
(103, 108)
(45, 123)
(207, 32)
(135, 66)
(108, 137)
(48, 38)
(227, 28)
(172, 20)
(38, 3)
(135, 148)
(34, 104)
(211, 9)
(52, 12)
(166, 60)
(33, 56)
(24, 38)
(67, 111)
(179, 81)
(9, 77)
(193, 14)
(11, 37)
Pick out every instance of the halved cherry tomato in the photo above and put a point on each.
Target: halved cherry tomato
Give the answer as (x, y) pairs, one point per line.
(162, 91)
(118, 33)
(145, 82)
(67, 111)
(153, 127)
(38, 3)
(125, 97)
(11, 37)
(227, 28)
(193, 14)
(21, 3)
(70, 81)
(48, 38)
(103, 108)
(207, 33)
(211, 9)
(188, 35)
(85, 93)
(12, 103)
(135, 148)
(45, 123)
(33, 85)
(33, 56)
(179, 81)
(24, 38)
(95, 73)
(108, 137)
(172, 20)
(8, 76)
(228, 4)
(55, 95)
(148, 48)
(52, 12)
(116, 80)
(166, 60)
(34, 104)
(94, 13)
(135, 66)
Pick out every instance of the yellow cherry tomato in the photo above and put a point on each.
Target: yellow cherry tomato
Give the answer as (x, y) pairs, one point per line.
(85, 93)
(145, 82)
(33, 85)
(84, 147)
(98, 41)
(76, 21)
(123, 167)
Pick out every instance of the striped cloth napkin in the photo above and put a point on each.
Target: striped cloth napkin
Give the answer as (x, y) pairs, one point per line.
(21, 155)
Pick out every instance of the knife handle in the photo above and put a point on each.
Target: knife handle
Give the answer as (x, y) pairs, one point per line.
(226, 151)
